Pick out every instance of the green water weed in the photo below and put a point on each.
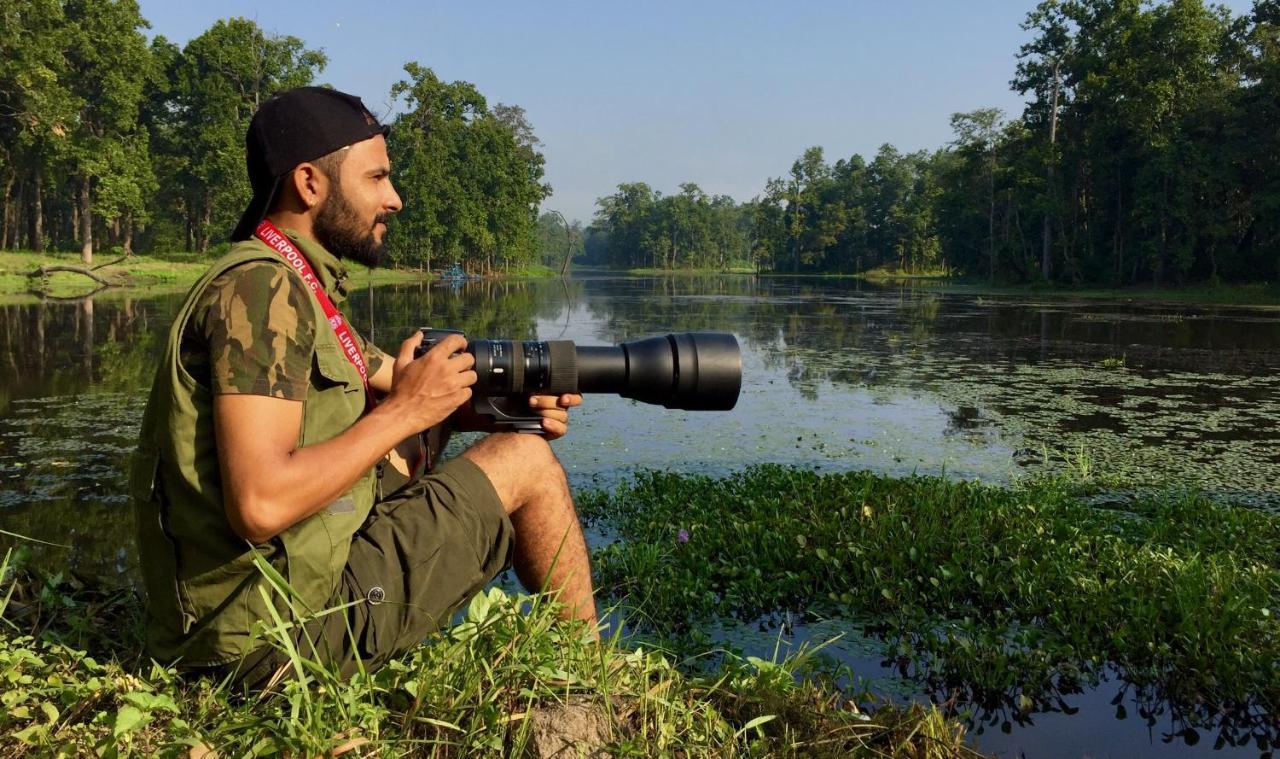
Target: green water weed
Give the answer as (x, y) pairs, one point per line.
(1009, 591)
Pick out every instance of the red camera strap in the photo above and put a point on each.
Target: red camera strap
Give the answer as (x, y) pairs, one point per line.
(280, 243)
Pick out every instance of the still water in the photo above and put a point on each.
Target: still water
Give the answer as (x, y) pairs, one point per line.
(837, 374)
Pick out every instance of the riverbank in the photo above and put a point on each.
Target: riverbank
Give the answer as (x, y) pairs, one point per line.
(649, 272)
(134, 276)
(1255, 294)
(141, 275)
(508, 680)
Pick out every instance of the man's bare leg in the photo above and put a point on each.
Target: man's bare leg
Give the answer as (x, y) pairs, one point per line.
(549, 543)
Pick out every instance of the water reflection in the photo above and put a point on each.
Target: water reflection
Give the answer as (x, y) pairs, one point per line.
(837, 374)
(1086, 711)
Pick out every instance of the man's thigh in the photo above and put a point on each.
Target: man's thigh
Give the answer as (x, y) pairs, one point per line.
(421, 555)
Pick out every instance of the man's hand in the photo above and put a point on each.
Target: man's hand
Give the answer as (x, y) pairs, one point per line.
(554, 410)
(427, 390)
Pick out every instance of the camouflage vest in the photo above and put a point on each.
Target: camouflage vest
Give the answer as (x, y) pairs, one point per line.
(204, 593)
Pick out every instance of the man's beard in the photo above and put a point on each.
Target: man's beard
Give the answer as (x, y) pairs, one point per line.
(338, 228)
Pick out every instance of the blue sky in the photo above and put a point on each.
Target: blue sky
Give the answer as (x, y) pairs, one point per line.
(724, 94)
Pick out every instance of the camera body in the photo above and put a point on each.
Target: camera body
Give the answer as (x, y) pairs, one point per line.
(503, 372)
(690, 370)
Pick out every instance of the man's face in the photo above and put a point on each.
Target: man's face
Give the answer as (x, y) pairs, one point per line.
(351, 222)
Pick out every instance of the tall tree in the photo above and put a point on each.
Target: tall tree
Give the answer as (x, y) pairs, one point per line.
(37, 111)
(109, 67)
(1041, 65)
(222, 77)
(976, 133)
(472, 177)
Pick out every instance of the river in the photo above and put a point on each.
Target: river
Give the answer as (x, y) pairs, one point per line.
(838, 374)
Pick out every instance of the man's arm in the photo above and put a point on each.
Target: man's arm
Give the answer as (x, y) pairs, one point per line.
(270, 484)
(380, 380)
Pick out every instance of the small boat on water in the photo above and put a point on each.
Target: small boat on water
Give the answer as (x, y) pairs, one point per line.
(456, 273)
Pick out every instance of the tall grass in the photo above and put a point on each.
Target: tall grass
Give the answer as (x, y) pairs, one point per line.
(72, 687)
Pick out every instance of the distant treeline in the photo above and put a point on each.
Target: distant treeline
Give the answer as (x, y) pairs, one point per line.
(107, 139)
(1148, 152)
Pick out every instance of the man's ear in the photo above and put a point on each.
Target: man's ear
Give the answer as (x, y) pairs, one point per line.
(309, 184)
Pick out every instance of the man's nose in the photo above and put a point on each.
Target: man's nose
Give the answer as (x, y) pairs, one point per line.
(393, 204)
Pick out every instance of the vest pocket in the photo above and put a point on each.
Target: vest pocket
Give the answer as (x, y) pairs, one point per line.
(142, 474)
(335, 368)
(166, 616)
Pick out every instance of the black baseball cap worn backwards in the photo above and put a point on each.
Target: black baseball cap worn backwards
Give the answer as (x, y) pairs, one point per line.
(293, 127)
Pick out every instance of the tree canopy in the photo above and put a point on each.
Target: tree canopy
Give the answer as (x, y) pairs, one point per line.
(106, 138)
(1147, 152)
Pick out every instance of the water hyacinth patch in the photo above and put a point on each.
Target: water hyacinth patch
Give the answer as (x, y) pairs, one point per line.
(1015, 595)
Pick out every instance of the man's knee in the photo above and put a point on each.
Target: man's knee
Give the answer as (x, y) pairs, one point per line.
(522, 451)
(518, 465)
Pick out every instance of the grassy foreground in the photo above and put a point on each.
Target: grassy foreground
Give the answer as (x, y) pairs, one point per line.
(995, 598)
(1005, 597)
(75, 684)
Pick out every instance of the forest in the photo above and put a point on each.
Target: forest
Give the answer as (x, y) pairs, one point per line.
(1148, 153)
(113, 141)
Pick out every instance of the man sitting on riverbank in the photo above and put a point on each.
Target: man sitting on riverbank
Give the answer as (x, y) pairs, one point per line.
(262, 441)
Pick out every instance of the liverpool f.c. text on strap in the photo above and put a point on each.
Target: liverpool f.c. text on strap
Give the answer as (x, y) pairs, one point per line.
(280, 243)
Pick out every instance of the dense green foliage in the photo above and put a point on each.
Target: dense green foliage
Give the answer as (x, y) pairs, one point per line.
(1008, 595)
(559, 239)
(473, 173)
(108, 140)
(1147, 153)
(489, 686)
(691, 229)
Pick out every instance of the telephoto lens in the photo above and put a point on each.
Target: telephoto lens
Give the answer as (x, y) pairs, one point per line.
(693, 371)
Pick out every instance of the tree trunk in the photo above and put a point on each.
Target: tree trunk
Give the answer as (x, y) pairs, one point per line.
(21, 219)
(1117, 243)
(75, 220)
(7, 210)
(127, 237)
(991, 214)
(37, 210)
(1047, 231)
(1163, 262)
(86, 223)
(206, 221)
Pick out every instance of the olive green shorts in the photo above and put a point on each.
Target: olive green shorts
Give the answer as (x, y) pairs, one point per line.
(422, 553)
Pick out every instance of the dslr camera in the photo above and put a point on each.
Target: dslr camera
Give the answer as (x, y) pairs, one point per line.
(694, 371)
